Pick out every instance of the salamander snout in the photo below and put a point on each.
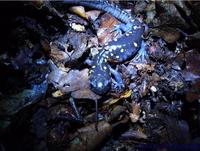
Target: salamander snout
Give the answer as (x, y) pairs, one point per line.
(100, 84)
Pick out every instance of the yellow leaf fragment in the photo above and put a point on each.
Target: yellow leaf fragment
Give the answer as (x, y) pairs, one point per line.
(123, 96)
(57, 94)
(126, 94)
(79, 10)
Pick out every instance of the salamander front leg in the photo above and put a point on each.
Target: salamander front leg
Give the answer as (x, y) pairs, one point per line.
(122, 28)
(117, 83)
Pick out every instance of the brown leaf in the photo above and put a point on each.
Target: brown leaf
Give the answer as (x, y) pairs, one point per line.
(135, 114)
(88, 138)
(85, 94)
(79, 10)
(125, 95)
(93, 14)
(107, 25)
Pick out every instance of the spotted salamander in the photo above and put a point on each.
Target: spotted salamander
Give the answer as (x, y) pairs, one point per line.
(117, 51)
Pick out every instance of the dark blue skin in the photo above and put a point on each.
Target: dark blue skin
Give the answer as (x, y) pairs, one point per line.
(100, 77)
(116, 51)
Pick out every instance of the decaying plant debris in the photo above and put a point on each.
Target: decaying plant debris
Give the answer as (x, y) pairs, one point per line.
(45, 98)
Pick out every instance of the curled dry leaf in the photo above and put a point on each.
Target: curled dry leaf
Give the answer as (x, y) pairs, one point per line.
(125, 95)
(79, 10)
(55, 75)
(88, 138)
(70, 47)
(77, 83)
(56, 54)
(135, 114)
(93, 14)
(74, 80)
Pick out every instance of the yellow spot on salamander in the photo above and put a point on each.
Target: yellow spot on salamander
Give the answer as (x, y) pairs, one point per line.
(104, 67)
(135, 44)
(134, 27)
(113, 47)
(117, 57)
(127, 34)
(122, 50)
(93, 67)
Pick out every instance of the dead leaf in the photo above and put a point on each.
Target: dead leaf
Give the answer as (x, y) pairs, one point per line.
(104, 32)
(88, 138)
(125, 95)
(93, 14)
(135, 114)
(74, 80)
(79, 10)
(85, 94)
(57, 94)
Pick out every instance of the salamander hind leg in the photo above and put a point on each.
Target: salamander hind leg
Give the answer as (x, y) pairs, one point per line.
(142, 54)
(117, 83)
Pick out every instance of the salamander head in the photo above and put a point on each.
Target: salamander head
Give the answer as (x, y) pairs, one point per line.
(100, 83)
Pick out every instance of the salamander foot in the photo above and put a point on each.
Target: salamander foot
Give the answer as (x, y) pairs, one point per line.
(122, 28)
(119, 87)
(142, 54)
